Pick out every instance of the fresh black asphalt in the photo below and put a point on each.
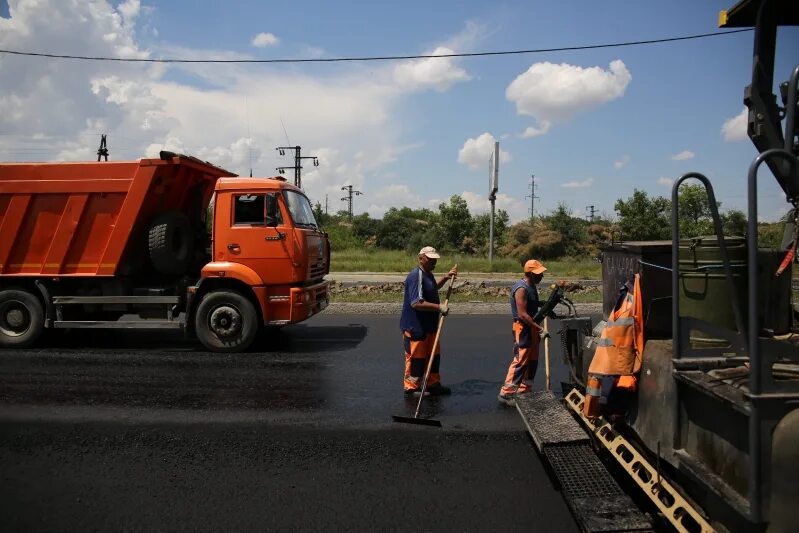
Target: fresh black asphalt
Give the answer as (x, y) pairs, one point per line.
(143, 431)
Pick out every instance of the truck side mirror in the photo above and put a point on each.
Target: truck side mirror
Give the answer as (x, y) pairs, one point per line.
(271, 210)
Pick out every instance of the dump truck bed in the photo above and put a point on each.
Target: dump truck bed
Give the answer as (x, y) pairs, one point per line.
(78, 219)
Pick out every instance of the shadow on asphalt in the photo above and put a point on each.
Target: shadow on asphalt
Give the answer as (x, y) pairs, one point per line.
(301, 338)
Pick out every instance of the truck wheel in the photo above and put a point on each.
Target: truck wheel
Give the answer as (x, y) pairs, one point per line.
(226, 321)
(21, 318)
(171, 243)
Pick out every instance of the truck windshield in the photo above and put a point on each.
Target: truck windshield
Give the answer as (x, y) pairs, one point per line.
(300, 209)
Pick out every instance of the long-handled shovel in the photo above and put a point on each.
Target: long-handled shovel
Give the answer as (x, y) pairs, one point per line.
(415, 418)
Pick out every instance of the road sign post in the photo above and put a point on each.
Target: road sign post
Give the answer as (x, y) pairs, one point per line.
(493, 187)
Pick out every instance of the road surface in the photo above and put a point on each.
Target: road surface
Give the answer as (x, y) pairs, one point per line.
(143, 431)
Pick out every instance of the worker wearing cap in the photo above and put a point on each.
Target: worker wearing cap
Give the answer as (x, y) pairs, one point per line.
(524, 304)
(421, 308)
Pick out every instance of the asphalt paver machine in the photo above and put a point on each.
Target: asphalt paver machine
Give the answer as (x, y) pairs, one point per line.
(712, 435)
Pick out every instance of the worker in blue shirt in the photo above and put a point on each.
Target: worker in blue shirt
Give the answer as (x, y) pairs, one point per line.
(421, 308)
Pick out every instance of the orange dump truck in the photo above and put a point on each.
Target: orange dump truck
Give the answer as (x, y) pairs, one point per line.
(92, 245)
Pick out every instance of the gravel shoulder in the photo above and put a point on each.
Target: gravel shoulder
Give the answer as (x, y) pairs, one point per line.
(376, 308)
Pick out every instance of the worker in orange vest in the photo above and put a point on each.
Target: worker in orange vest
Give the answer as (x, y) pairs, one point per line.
(524, 304)
(619, 351)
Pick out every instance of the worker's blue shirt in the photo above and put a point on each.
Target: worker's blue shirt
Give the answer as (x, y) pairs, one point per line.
(532, 299)
(419, 285)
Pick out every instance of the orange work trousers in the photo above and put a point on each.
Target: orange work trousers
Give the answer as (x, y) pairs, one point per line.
(417, 356)
(525, 360)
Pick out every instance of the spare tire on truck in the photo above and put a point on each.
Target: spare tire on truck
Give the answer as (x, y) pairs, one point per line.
(21, 318)
(171, 243)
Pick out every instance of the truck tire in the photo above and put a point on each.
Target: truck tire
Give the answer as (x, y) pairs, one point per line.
(226, 321)
(21, 318)
(171, 243)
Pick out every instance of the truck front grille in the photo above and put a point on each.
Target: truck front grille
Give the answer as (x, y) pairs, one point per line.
(317, 268)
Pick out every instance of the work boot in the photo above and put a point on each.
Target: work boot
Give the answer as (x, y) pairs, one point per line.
(414, 393)
(439, 390)
(507, 399)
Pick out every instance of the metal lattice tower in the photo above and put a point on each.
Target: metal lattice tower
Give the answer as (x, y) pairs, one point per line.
(532, 196)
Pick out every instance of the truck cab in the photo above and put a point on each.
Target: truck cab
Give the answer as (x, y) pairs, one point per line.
(264, 235)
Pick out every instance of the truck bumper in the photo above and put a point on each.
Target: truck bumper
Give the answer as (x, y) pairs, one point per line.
(304, 302)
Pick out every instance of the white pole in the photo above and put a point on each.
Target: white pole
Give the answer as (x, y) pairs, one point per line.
(491, 233)
(493, 197)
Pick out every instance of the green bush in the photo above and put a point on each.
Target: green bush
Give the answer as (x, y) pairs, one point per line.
(342, 236)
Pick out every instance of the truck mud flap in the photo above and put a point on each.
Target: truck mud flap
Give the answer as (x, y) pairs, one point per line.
(597, 502)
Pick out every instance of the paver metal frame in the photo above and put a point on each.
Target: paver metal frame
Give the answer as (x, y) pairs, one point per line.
(682, 515)
(595, 499)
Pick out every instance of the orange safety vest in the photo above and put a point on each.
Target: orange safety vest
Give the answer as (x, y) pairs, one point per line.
(621, 345)
(619, 350)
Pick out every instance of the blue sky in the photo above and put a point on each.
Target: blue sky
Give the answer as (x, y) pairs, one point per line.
(404, 133)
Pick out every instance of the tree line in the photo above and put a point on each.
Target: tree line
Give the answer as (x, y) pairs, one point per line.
(453, 229)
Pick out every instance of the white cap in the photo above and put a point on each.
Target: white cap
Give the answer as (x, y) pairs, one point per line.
(430, 252)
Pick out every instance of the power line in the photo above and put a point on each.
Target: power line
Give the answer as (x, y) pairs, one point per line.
(375, 58)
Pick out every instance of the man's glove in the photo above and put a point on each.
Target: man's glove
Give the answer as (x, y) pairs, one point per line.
(443, 309)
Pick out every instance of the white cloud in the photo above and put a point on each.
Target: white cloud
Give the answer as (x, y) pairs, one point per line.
(475, 153)
(437, 73)
(479, 204)
(443, 72)
(224, 119)
(396, 195)
(665, 181)
(263, 40)
(553, 93)
(578, 184)
(229, 115)
(240, 154)
(734, 129)
(129, 10)
(472, 33)
(543, 127)
(621, 163)
(683, 156)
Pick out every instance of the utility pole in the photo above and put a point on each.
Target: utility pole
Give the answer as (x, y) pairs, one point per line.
(325, 204)
(532, 197)
(103, 150)
(297, 162)
(591, 212)
(348, 198)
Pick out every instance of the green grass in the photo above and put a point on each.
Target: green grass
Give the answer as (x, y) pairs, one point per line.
(374, 260)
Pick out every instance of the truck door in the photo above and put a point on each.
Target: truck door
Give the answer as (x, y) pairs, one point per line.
(261, 244)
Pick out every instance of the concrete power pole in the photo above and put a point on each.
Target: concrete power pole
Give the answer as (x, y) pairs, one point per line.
(591, 211)
(297, 162)
(348, 198)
